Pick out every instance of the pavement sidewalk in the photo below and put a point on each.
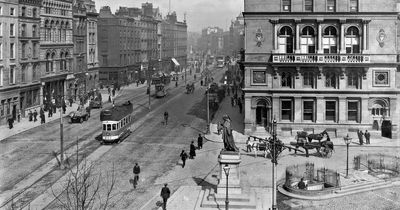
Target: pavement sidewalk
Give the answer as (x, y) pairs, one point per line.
(25, 124)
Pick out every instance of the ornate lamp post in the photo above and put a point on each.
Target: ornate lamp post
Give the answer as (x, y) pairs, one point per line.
(274, 163)
(347, 141)
(226, 170)
(208, 109)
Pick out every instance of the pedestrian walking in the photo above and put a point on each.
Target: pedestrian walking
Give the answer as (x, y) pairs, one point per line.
(248, 145)
(113, 92)
(19, 116)
(176, 84)
(109, 98)
(367, 137)
(165, 193)
(30, 115)
(192, 152)
(240, 105)
(201, 83)
(200, 142)
(136, 172)
(42, 116)
(64, 106)
(35, 116)
(50, 114)
(183, 156)
(10, 122)
(166, 118)
(88, 110)
(360, 137)
(70, 102)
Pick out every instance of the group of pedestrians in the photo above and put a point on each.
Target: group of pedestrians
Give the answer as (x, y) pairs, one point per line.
(361, 136)
(192, 150)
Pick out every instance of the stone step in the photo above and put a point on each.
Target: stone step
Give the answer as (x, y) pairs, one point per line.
(363, 183)
(238, 201)
(361, 188)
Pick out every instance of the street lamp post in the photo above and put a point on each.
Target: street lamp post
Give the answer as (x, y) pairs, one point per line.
(208, 110)
(347, 141)
(274, 162)
(226, 170)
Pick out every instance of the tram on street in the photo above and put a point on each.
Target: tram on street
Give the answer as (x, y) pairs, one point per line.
(116, 122)
(160, 82)
(220, 61)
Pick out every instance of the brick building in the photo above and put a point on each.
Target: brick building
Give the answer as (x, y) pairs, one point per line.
(92, 45)
(9, 57)
(315, 65)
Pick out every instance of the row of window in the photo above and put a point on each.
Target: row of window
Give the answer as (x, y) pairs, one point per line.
(25, 12)
(308, 5)
(29, 51)
(308, 40)
(116, 126)
(55, 35)
(11, 75)
(287, 79)
(24, 72)
(63, 64)
(331, 110)
(24, 32)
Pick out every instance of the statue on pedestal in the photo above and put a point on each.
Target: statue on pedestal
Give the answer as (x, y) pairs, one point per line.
(227, 135)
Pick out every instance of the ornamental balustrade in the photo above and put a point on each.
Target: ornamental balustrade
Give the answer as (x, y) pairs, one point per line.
(319, 58)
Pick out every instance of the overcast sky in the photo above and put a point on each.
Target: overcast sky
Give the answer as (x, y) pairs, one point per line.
(199, 13)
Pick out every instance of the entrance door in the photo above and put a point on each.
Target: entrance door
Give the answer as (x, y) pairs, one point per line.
(262, 114)
(386, 128)
(14, 112)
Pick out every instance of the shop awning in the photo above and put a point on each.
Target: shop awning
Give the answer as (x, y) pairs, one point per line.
(175, 61)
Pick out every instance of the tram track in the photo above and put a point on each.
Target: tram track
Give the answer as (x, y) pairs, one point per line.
(19, 199)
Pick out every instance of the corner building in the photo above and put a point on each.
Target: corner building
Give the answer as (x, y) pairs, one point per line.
(315, 65)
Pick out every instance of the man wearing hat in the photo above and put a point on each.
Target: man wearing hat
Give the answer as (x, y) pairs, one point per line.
(165, 193)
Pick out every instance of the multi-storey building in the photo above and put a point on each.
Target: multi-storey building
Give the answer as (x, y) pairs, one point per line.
(315, 65)
(92, 46)
(56, 48)
(119, 45)
(211, 41)
(78, 87)
(173, 43)
(28, 54)
(9, 68)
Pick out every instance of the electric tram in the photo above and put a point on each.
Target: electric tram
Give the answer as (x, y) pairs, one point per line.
(116, 122)
(160, 82)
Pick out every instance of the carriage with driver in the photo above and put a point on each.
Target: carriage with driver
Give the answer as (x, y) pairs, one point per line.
(324, 146)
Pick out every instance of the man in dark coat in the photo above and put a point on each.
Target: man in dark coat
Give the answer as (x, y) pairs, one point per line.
(166, 118)
(50, 110)
(35, 116)
(192, 152)
(165, 193)
(200, 142)
(301, 185)
(360, 137)
(10, 122)
(42, 116)
(64, 106)
(367, 137)
(30, 115)
(183, 156)
(240, 105)
(136, 172)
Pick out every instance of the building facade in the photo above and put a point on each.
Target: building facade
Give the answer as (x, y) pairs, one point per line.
(211, 41)
(322, 65)
(78, 86)
(28, 55)
(9, 57)
(92, 49)
(173, 44)
(56, 50)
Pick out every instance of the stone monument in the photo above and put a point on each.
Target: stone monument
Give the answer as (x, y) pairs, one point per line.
(229, 157)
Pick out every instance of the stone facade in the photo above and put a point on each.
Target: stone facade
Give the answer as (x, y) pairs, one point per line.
(56, 49)
(29, 63)
(9, 57)
(315, 65)
(92, 46)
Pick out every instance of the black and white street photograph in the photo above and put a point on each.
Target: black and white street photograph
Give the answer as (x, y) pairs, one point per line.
(199, 104)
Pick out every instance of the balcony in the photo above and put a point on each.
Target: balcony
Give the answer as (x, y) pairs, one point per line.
(320, 58)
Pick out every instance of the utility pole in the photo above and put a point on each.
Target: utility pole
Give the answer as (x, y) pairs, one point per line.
(149, 86)
(61, 138)
(208, 110)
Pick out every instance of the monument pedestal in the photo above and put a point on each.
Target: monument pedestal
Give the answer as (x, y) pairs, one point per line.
(232, 159)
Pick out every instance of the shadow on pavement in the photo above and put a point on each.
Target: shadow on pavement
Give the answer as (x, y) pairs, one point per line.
(204, 184)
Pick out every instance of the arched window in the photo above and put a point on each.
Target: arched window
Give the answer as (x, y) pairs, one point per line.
(47, 34)
(52, 31)
(285, 40)
(331, 79)
(52, 66)
(307, 40)
(62, 61)
(48, 65)
(329, 41)
(352, 40)
(286, 79)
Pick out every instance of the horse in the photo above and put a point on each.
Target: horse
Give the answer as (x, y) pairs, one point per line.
(318, 136)
(258, 146)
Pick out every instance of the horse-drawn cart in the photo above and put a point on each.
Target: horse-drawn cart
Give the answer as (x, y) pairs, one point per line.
(304, 140)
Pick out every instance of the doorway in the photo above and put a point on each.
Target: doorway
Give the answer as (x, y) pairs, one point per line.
(262, 114)
(386, 128)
